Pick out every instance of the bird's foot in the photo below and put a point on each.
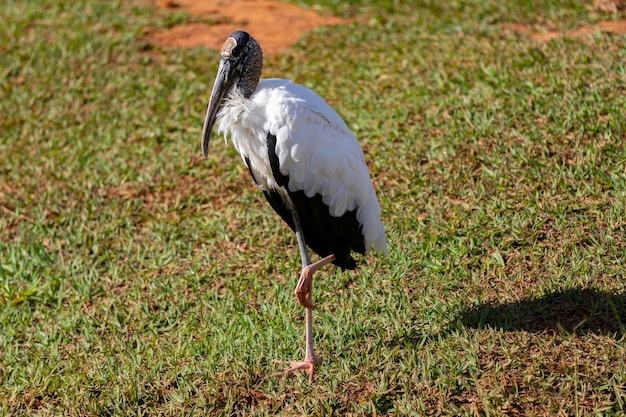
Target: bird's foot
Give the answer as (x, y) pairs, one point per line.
(307, 365)
(303, 289)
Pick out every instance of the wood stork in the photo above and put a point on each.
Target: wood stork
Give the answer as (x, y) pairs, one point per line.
(305, 160)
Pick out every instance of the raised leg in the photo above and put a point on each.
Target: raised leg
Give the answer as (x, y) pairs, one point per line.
(303, 289)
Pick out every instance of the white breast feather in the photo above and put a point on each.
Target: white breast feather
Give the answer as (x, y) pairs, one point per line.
(314, 146)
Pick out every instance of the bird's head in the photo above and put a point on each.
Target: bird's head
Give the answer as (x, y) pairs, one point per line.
(241, 62)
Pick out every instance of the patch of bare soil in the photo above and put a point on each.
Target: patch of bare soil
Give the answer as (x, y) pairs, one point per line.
(277, 26)
(609, 6)
(611, 26)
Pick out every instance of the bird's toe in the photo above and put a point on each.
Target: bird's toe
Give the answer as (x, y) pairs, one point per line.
(307, 366)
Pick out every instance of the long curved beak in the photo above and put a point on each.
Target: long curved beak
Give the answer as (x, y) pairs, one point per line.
(223, 82)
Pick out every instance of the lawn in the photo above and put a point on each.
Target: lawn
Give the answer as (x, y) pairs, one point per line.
(138, 278)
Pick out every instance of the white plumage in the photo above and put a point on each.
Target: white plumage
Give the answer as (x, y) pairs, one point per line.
(304, 158)
(315, 149)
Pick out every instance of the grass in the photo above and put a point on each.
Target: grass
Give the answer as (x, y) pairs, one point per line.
(137, 278)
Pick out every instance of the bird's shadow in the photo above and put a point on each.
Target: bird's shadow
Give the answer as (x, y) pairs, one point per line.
(569, 311)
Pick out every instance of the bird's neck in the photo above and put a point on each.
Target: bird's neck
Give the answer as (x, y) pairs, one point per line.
(249, 80)
(246, 89)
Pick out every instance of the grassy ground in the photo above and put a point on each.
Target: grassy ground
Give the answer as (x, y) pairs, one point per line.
(137, 278)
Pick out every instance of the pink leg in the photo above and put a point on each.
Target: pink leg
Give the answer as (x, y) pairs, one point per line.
(303, 289)
(303, 293)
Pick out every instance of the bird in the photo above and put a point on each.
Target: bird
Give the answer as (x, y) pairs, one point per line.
(308, 164)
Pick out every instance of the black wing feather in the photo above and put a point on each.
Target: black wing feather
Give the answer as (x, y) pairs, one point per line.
(280, 178)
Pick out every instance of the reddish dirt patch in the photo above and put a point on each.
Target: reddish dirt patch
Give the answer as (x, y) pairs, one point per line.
(277, 26)
(612, 26)
(609, 6)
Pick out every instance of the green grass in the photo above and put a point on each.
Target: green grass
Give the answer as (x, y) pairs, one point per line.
(137, 278)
